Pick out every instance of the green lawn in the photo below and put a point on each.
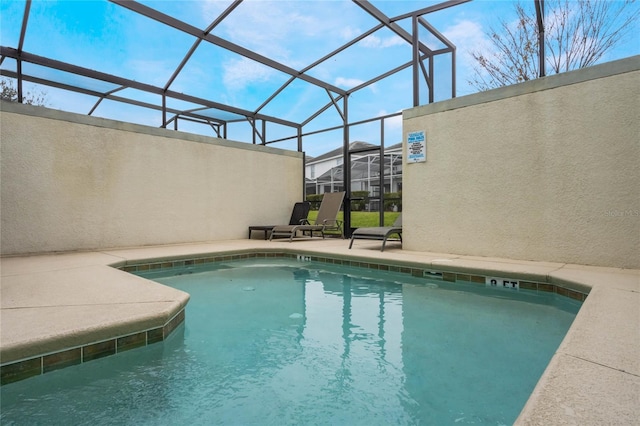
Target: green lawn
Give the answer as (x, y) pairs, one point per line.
(362, 219)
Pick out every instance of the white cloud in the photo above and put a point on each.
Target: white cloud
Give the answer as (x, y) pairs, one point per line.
(392, 123)
(349, 33)
(238, 73)
(211, 10)
(467, 36)
(155, 72)
(265, 27)
(348, 82)
(376, 42)
(371, 41)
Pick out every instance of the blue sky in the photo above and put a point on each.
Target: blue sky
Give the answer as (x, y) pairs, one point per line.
(106, 37)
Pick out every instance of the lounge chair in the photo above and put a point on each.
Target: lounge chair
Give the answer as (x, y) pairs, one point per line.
(298, 216)
(327, 219)
(378, 233)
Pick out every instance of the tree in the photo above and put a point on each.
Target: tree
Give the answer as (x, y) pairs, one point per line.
(577, 34)
(8, 92)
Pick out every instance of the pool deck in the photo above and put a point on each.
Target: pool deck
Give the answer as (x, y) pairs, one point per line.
(54, 302)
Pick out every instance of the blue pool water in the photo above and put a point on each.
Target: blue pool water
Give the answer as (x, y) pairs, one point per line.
(282, 342)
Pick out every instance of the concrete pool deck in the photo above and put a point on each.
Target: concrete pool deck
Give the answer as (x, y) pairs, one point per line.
(56, 302)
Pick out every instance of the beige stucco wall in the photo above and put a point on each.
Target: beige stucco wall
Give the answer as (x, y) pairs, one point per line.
(72, 182)
(547, 170)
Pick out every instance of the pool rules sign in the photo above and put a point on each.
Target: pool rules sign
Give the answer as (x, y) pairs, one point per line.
(416, 147)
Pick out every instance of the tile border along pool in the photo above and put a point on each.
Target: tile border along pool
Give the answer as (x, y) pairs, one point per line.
(202, 260)
(55, 305)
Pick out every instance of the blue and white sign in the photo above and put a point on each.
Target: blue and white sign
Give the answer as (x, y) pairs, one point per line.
(416, 147)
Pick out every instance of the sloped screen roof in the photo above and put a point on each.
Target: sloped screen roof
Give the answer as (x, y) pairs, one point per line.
(281, 69)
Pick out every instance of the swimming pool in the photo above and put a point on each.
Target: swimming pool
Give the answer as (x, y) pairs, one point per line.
(278, 341)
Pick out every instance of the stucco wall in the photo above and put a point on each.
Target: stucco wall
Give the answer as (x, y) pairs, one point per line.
(72, 182)
(547, 170)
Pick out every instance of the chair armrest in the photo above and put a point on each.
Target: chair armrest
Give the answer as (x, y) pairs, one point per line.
(333, 222)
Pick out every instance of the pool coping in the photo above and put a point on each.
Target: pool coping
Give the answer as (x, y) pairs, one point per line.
(594, 376)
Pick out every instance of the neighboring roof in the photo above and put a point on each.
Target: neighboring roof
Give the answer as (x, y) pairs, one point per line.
(336, 172)
(338, 152)
(359, 169)
(395, 146)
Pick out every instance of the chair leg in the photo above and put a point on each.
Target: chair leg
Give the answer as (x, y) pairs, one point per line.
(351, 243)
